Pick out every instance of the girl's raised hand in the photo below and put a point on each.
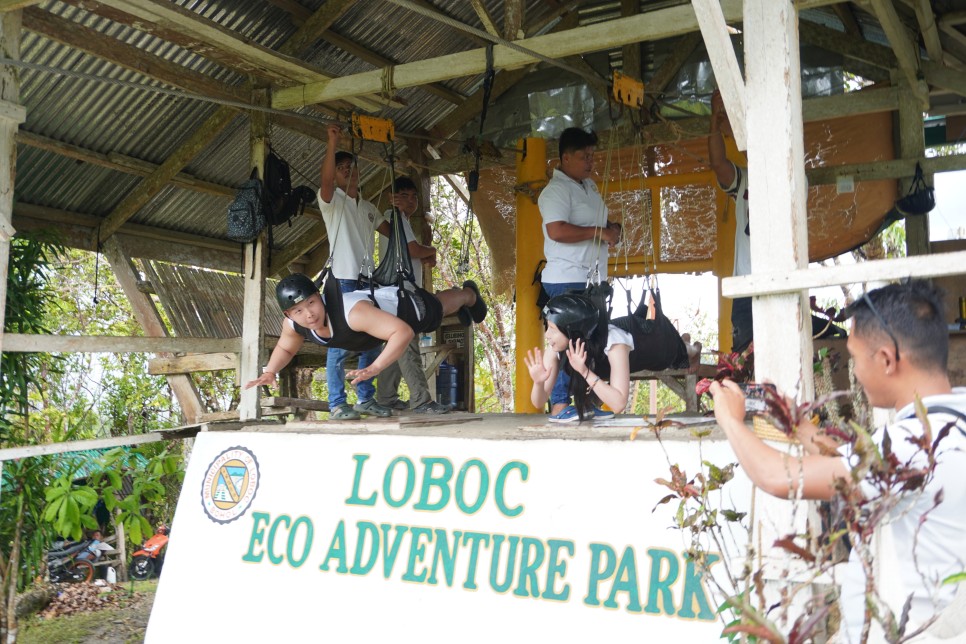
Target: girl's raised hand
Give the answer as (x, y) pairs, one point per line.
(534, 362)
(577, 354)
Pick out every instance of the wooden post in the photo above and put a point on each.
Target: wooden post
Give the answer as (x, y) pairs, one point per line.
(150, 320)
(11, 117)
(121, 547)
(531, 177)
(911, 144)
(776, 179)
(631, 53)
(255, 273)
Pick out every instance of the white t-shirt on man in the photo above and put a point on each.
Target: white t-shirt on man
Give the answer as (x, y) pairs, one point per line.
(350, 225)
(738, 190)
(936, 536)
(580, 204)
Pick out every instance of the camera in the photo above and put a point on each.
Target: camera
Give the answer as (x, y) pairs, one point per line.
(756, 393)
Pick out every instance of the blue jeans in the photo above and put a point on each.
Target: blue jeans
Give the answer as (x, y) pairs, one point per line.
(561, 388)
(335, 365)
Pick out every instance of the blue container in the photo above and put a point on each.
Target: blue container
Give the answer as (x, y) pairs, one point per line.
(447, 385)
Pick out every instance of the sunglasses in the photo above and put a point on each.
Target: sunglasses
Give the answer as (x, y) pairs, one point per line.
(867, 301)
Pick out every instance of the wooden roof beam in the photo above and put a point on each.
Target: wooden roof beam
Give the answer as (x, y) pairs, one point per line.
(76, 230)
(835, 41)
(147, 189)
(606, 35)
(90, 41)
(845, 14)
(315, 24)
(121, 163)
(930, 33)
(300, 15)
(730, 82)
(949, 26)
(208, 39)
(903, 47)
(513, 19)
(485, 18)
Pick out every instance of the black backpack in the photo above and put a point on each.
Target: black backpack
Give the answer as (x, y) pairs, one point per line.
(278, 185)
(247, 212)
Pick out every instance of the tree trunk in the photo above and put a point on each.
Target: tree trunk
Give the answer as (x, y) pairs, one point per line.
(10, 600)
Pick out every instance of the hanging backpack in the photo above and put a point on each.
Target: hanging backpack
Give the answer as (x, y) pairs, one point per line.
(278, 185)
(247, 211)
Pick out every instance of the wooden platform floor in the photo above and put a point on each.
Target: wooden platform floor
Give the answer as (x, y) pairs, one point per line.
(491, 427)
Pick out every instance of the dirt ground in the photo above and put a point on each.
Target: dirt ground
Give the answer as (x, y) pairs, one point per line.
(121, 624)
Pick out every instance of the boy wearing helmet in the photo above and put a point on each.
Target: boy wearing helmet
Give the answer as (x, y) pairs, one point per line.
(600, 356)
(354, 321)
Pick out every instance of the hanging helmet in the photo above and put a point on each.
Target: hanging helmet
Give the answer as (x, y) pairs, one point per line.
(294, 289)
(573, 314)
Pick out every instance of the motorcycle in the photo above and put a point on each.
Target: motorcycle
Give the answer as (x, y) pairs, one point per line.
(63, 564)
(146, 561)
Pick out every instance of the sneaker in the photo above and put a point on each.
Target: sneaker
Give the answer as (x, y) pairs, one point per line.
(398, 405)
(477, 309)
(465, 317)
(344, 412)
(431, 407)
(372, 408)
(567, 415)
(602, 414)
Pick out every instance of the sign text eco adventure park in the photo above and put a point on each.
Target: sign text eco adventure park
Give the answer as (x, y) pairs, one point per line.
(525, 566)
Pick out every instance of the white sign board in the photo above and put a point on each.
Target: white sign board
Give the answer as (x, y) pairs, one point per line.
(296, 537)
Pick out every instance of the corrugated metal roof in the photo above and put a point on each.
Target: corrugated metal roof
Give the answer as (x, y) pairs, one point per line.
(112, 117)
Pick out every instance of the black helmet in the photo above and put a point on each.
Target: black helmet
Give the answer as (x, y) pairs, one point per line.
(573, 314)
(162, 529)
(293, 289)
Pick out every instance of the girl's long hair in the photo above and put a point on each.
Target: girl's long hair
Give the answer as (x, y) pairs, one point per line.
(596, 362)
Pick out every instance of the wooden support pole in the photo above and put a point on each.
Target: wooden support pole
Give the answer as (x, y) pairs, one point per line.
(631, 53)
(531, 170)
(776, 179)
(150, 320)
(911, 144)
(255, 272)
(9, 123)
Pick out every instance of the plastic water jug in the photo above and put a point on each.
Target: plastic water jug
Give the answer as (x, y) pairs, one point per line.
(447, 389)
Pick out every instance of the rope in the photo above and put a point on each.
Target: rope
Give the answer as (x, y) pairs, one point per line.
(439, 17)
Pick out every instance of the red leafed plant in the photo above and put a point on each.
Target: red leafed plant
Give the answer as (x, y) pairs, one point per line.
(849, 520)
(738, 367)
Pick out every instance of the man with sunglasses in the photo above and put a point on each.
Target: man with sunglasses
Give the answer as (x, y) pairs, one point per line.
(899, 347)
(350, 222)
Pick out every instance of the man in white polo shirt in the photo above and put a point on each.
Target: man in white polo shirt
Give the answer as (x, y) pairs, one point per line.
(350, 223)
(576, 237)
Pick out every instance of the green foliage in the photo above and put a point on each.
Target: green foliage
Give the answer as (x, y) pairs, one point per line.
(155, 475)
(28, 290)
(69, 507)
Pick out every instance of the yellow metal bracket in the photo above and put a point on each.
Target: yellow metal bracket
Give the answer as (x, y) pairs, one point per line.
(627, 91)
(371, 128)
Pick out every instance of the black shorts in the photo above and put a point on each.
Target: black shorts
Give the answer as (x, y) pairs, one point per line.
(421, 310)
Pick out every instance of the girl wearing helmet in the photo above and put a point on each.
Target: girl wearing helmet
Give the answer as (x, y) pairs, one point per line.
(601, 355)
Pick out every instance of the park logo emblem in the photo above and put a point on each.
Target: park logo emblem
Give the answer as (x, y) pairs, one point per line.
(230, 485)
